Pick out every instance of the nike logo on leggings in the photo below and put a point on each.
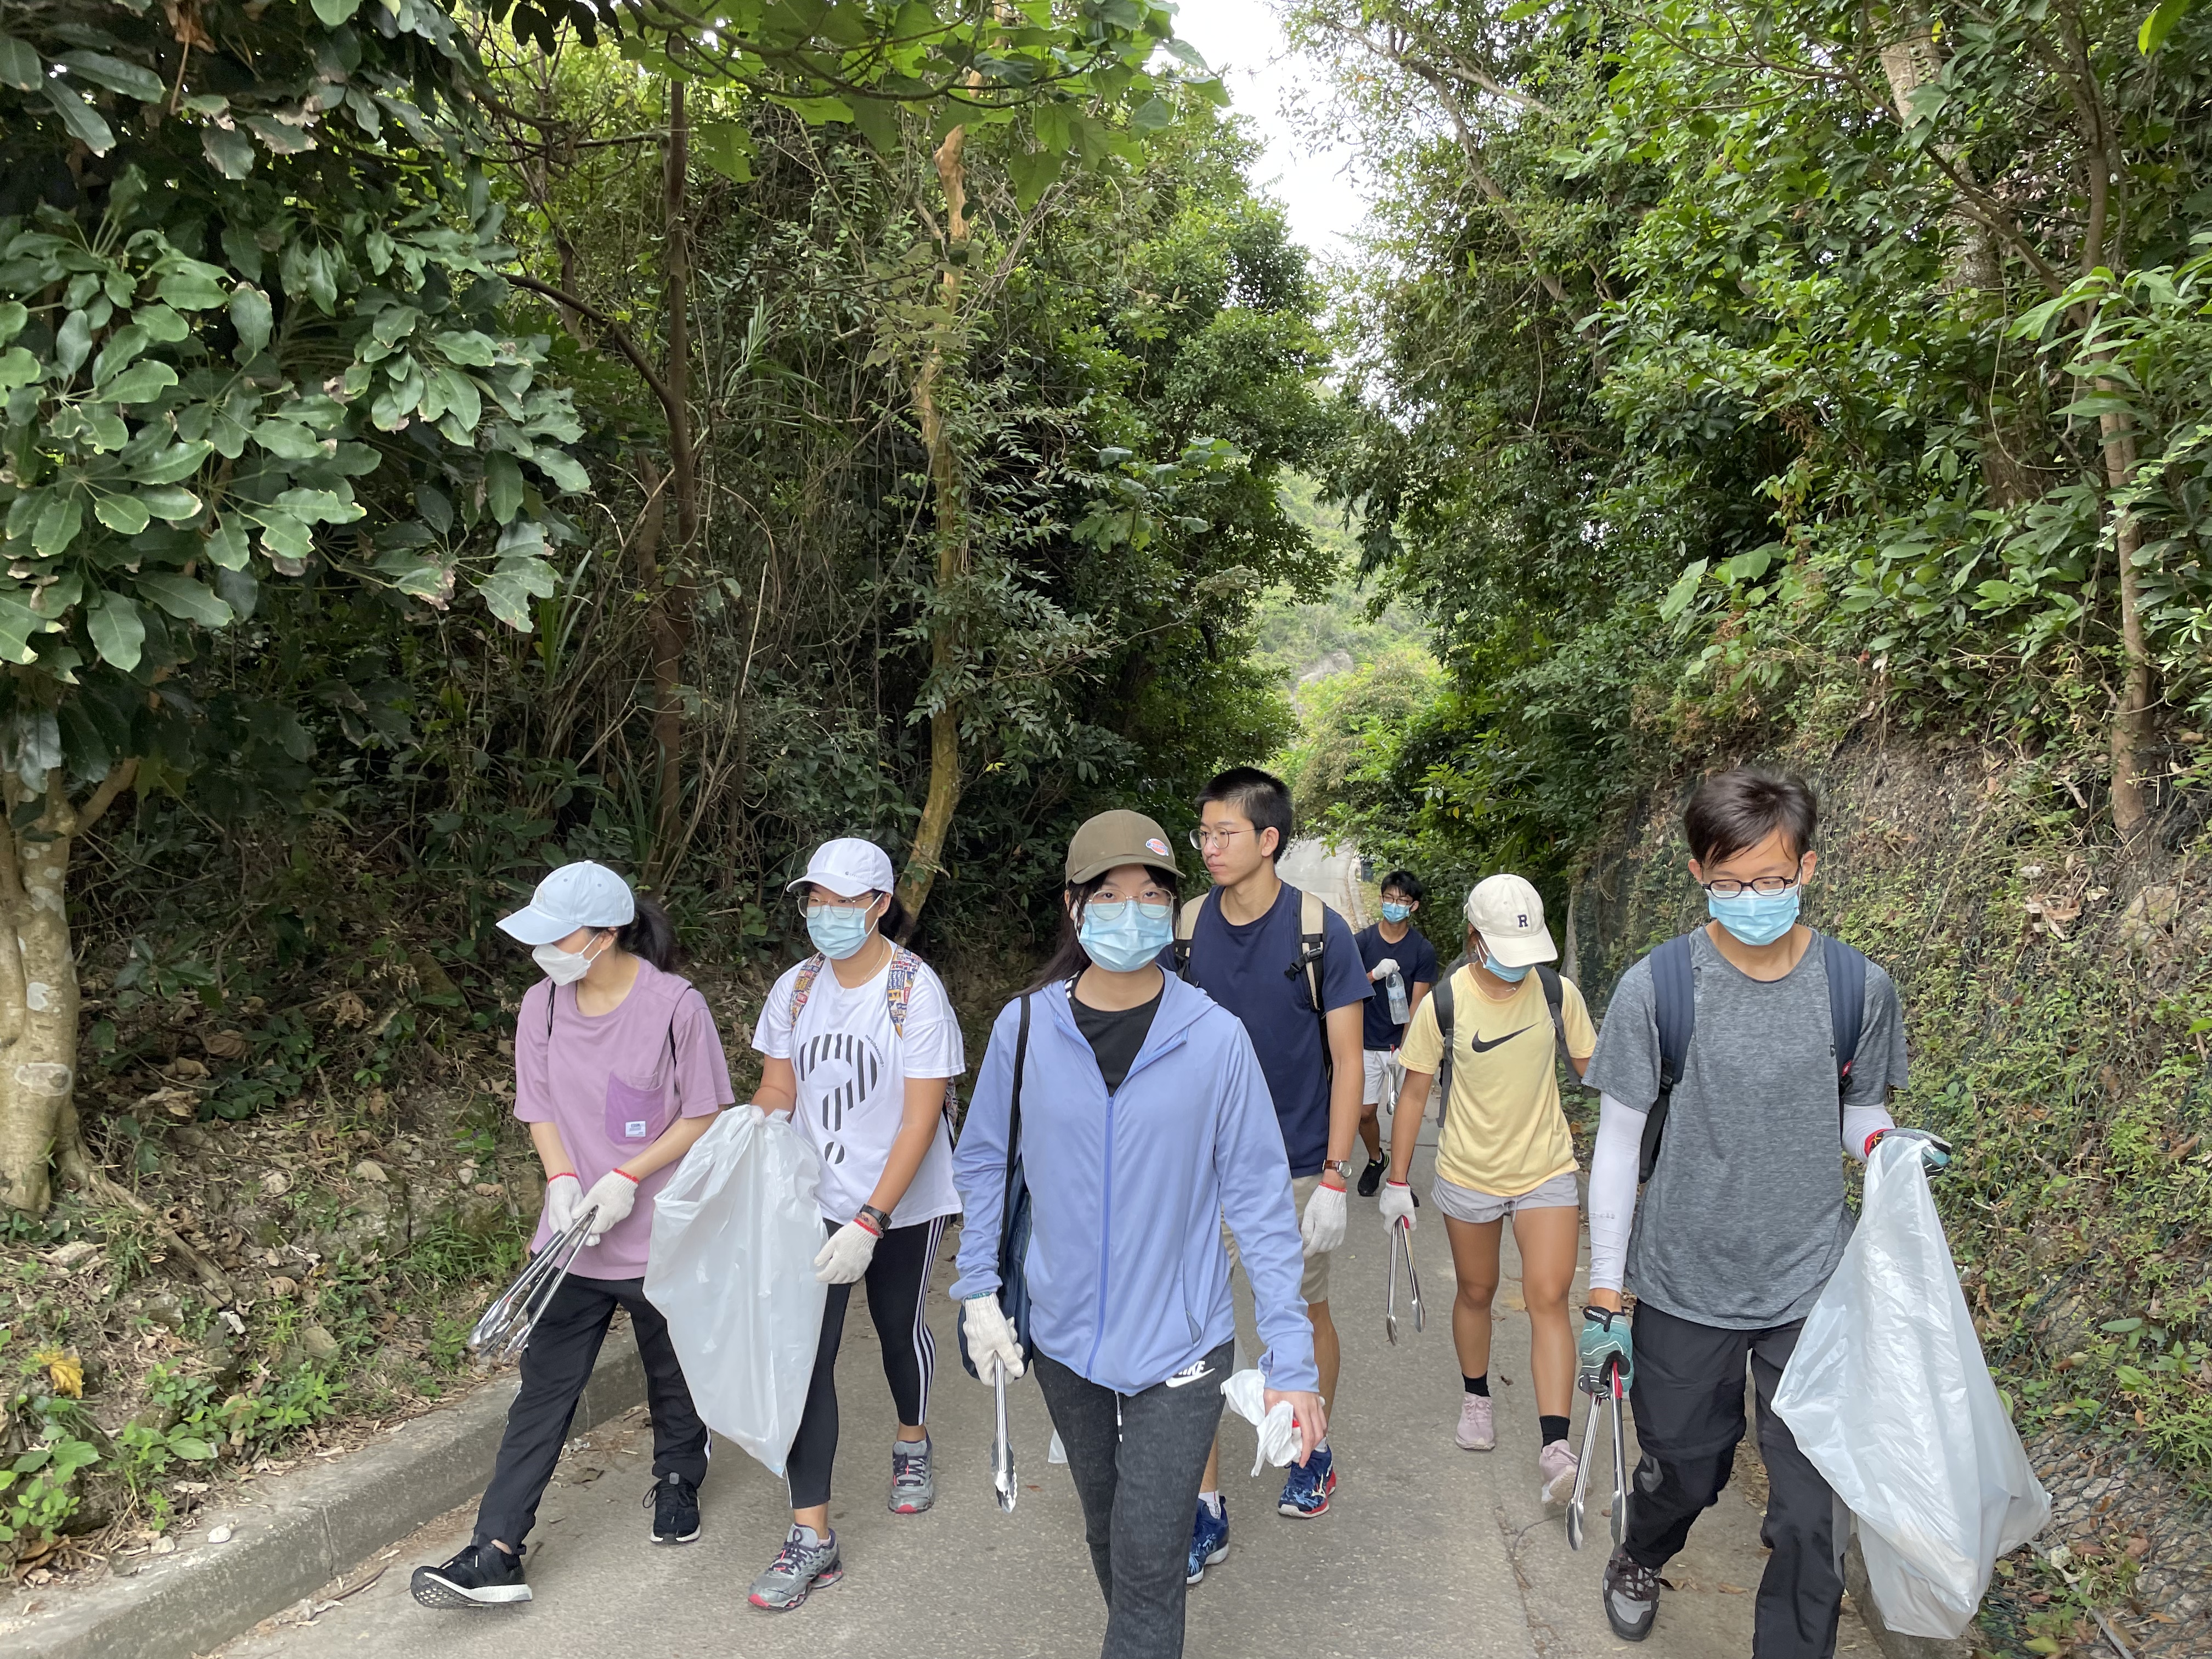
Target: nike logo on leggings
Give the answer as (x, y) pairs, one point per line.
(1191, 1373)
(1482, 1047)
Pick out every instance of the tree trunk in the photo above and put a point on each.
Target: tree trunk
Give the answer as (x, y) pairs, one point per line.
(924, 858)
(669, 579)
(37, 984)
(2132, 732)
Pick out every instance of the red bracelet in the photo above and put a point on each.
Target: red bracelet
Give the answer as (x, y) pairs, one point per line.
(626, 1175)
(866, 1226)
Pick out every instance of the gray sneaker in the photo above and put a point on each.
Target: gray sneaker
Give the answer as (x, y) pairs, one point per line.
(914, 1489)
(806, 1562)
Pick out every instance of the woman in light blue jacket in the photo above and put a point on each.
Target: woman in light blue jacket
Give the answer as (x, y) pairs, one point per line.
(1145, 1120)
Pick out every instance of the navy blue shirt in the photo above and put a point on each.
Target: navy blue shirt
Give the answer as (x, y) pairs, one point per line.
(1242, 969)
(1417, 964)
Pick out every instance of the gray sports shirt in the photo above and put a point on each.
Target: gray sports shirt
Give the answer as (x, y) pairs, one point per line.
(1744, 1219)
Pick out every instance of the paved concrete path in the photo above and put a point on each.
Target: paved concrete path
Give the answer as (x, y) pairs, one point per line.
(1311, 865)
(1426, 1550)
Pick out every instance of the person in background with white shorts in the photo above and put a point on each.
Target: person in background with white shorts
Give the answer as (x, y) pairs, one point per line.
(1503, 1150)
(1390, 950)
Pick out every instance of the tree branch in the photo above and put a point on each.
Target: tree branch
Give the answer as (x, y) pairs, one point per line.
(622, 341)
(119, 778)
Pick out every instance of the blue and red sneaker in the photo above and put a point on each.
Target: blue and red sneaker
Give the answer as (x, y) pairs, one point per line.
(1305, 1493)
(1209, 1539)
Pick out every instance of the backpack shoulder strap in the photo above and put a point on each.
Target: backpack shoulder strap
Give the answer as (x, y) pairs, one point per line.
(1186, 925)
(1014, 1114)
(1847, 981)
(1674, 1005)
(1313, 944)
(1442, 996)
(802, 986)
(1555, 1002)
(898, 986)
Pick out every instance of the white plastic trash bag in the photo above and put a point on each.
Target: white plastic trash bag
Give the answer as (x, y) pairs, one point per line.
(1888, 1395)
(734, 1237)
(1246, 1391)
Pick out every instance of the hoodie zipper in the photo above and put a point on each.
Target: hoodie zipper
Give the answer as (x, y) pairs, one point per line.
(1106, 1184)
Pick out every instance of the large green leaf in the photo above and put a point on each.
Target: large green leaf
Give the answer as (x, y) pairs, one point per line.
(2160, 24)
(82, 120)
(14, 313)
(168, 502)
(184, 599)
(511, 587)
(502, 486)
(230, 151)
(725, 146)
(141, 383)
(250, 317)
(20, 67)
(124, 515)
(1684, 590)
(17, 367)
(115, 75)
(335, 12)
(58, 519)
(118, 631)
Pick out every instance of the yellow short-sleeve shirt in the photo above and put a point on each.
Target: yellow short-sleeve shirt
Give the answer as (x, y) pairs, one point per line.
(1504, 1132)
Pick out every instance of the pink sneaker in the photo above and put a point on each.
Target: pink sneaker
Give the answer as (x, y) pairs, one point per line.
(1555, 1470)
(1476, 1431)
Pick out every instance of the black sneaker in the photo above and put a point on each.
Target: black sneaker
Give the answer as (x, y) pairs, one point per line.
(1632, 1597)
(675, 1505)
(1370, 1178)
(481, 1575)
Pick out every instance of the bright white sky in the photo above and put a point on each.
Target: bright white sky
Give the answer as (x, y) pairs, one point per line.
(1242, 41)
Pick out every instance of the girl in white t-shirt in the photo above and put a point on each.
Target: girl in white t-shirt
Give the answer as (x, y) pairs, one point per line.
(859, 1046)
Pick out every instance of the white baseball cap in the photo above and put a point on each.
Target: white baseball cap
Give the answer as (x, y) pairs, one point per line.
(1506, 911)
(849, 867)
(578, 894)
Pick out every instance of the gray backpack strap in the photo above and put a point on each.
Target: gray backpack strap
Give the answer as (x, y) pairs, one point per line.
(1186, 925)
(1442, 996)
(1674, 1005)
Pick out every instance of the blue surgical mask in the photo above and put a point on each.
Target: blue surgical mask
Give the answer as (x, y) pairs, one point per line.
(837, 931)
(1123, 937)
(1511, 976)
(1395, 913)
(1755, 918)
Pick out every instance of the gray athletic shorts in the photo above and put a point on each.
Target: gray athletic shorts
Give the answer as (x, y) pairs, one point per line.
(1465, 1204)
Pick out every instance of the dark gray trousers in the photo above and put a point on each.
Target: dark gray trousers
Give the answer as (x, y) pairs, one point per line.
(1137, 1460)
(1688, 1399)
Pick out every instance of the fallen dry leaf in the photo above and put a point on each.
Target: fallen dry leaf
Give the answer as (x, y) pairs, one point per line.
(276, 1184)
(280, 1285)
(226, 1045)
(64, 1371)
(185, 1065)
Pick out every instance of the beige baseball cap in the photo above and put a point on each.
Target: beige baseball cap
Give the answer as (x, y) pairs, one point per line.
(1506, 911)
(1112, 839)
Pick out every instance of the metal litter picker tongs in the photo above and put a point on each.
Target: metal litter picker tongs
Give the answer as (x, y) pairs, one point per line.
(1401, 1245)
(1002, 1445)
(504, 1330)
(1608, 1391)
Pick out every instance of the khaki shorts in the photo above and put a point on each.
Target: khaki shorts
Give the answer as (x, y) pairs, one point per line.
(1314, 1285)
(1466, 1204)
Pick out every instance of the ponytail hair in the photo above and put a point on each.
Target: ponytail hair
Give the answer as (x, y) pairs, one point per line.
(895, 924)
(651, 935)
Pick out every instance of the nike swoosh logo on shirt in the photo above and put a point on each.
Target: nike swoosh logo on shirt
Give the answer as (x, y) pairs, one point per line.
(1482, 1047)
(1193, 1373)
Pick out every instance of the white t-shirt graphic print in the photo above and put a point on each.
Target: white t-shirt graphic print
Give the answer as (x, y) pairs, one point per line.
(851, 1064)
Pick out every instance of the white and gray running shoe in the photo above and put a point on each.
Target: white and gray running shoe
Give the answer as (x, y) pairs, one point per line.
(806, 1562)
(913, 1488)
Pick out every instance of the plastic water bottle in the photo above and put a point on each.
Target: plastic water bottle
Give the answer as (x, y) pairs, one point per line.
(1401, 1013)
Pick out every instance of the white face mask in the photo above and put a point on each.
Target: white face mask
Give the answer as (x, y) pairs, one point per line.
(563, 967)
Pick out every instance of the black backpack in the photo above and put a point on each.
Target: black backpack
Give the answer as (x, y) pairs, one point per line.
(1442, 996)
(1674, 1002)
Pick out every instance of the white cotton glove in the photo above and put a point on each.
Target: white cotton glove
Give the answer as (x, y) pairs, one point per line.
(1323, 1226)
(847, 1255)
(991, 1338)
(564, 1196)
(1384, 968)
(613, 1195)
(1398, 1204)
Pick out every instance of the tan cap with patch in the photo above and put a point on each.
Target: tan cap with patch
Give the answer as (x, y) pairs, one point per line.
(1117, 838)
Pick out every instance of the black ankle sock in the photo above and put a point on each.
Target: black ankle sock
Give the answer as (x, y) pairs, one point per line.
(1477, 1386)
(1552, 1428)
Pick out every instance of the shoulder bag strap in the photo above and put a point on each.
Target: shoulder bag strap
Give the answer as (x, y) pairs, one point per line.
(1014, 1120)
(801, 987)
(1675, 1003)
(1846, 1005)
(1186, 925)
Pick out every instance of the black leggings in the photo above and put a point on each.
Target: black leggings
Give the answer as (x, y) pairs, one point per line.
(898, 1283)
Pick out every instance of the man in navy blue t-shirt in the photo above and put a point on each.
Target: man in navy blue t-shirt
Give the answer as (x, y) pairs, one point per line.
(1246, 953)
(1391, 948)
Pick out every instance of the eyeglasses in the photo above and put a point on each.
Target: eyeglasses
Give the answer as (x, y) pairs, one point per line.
(1764, 886)
(1115, 909)
(1202, 839)
(838, 902)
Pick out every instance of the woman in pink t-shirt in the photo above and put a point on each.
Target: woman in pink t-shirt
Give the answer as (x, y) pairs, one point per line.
(618, 1069)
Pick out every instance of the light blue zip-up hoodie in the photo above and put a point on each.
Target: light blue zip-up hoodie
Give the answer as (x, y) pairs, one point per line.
(1128, 1279)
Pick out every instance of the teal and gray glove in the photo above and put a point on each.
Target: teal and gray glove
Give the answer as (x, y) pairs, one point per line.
(1604, 1338)
(1935, 1151)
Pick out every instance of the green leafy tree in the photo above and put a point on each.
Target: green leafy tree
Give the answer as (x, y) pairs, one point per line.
(256, 361)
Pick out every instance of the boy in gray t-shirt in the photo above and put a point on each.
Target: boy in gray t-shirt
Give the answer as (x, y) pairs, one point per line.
(1743, 1220)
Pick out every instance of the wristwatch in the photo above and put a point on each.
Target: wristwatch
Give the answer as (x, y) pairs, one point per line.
(1342, 1166)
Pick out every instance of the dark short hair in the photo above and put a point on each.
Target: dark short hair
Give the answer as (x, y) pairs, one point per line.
(1739, 808)
(1261, 797)
(1405, 882)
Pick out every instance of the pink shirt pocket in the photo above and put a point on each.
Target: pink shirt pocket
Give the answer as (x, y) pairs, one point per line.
(634, 1117)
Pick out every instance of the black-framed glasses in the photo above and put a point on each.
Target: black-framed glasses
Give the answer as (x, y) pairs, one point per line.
(1764, 886)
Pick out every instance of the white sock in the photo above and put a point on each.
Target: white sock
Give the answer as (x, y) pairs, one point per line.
(1212, 1502)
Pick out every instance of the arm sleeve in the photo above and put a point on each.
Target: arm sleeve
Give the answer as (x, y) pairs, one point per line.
(1256, 1198)
(1613, 1190)
(703, 1070)
(533, 1076)
(979, 1159)
(932, 1047)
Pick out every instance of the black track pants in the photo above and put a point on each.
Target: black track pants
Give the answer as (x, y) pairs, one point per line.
(555, 1368)
(1688, 1399)
(1137, 1460)
(898, 1285)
